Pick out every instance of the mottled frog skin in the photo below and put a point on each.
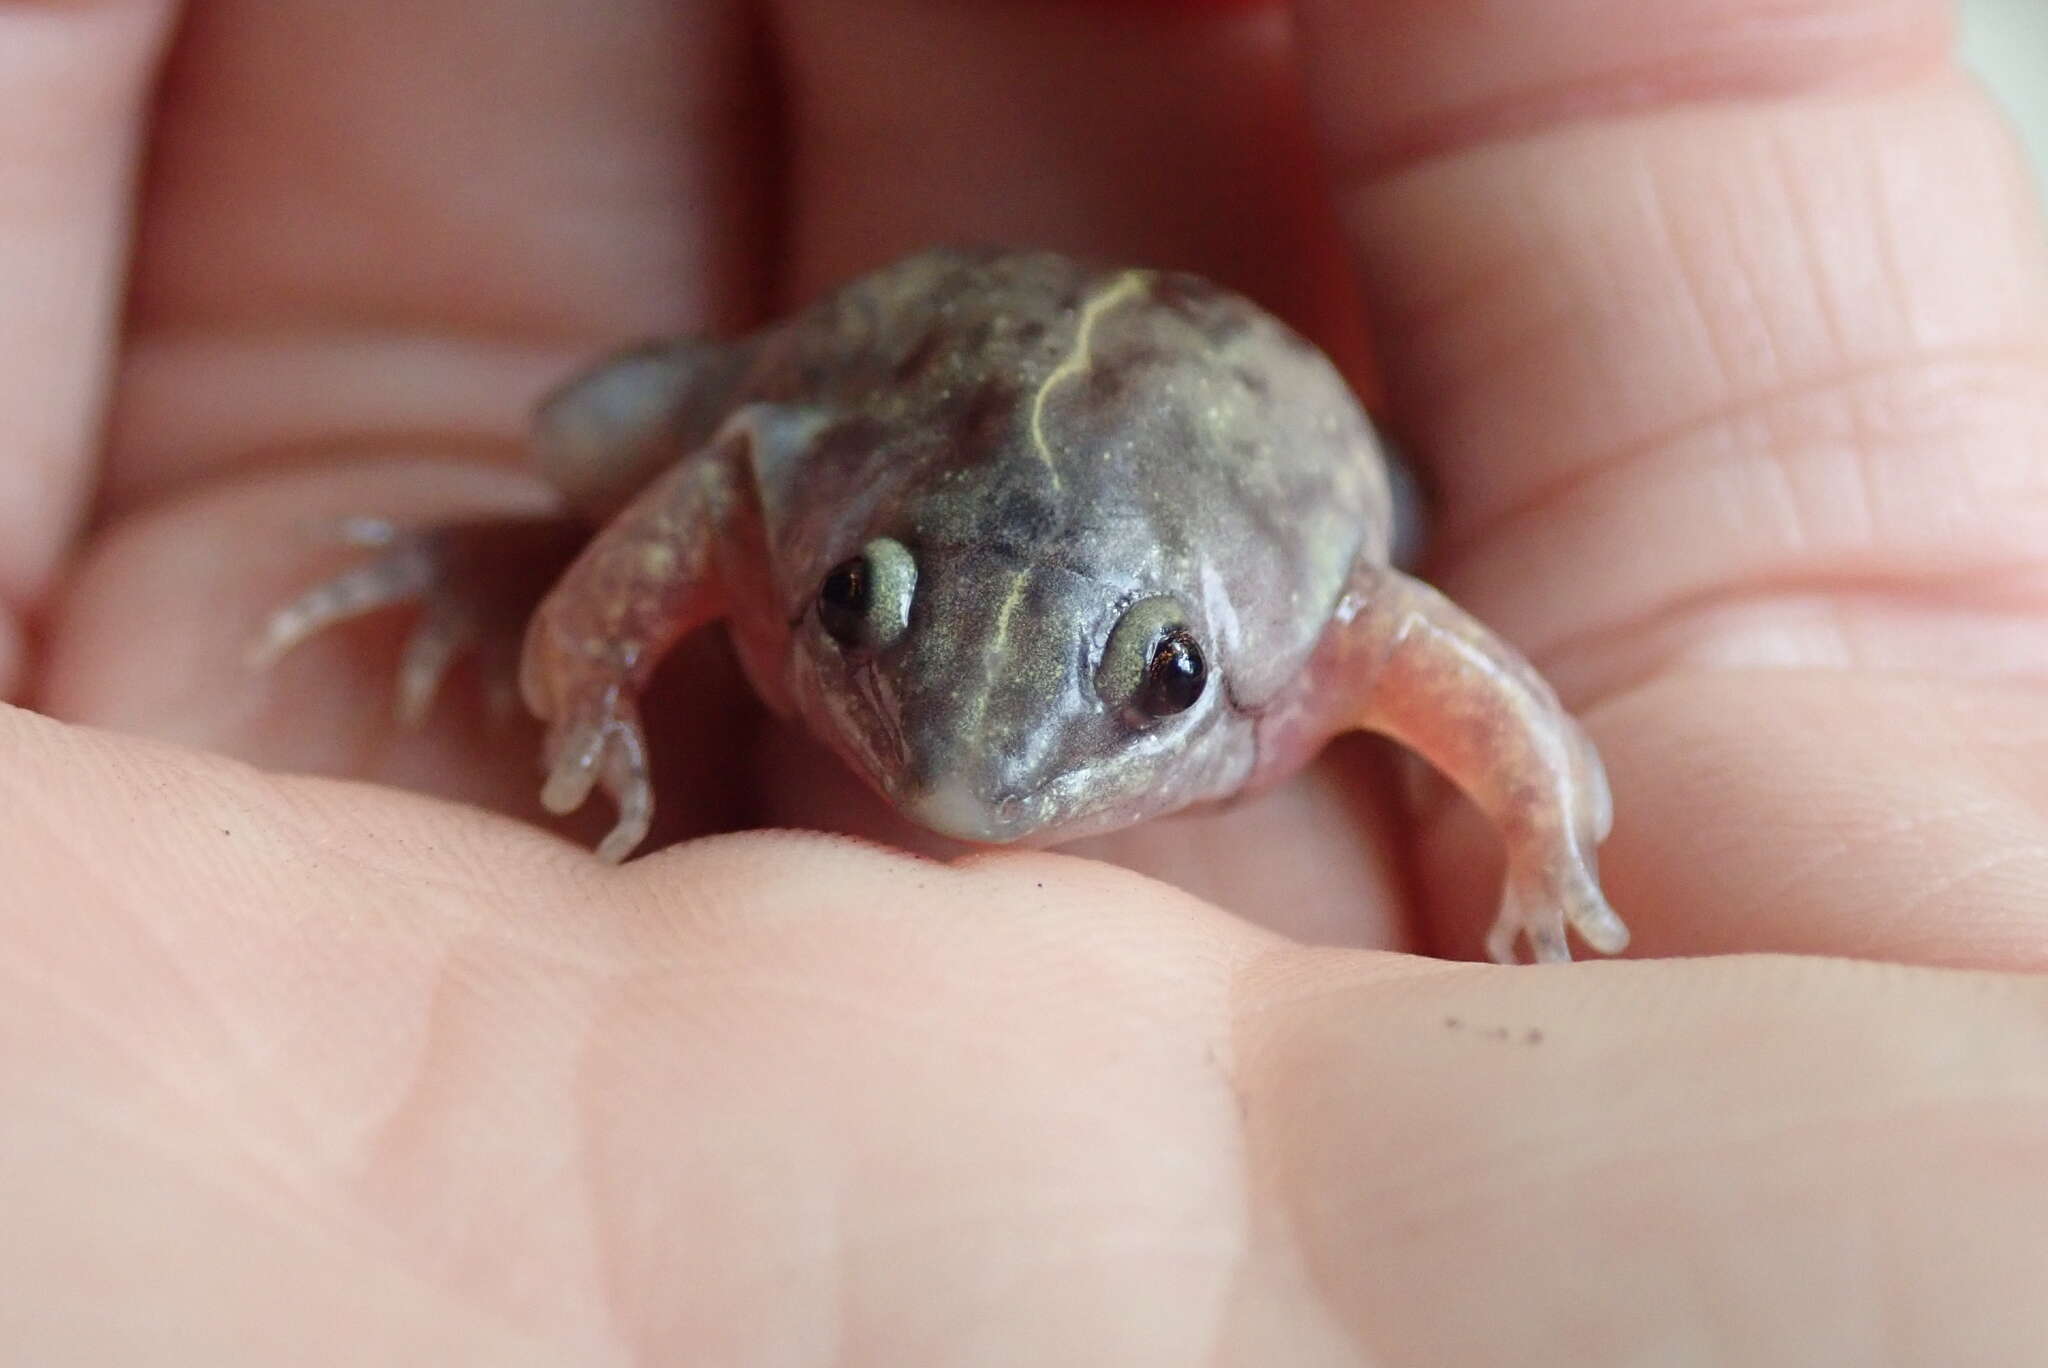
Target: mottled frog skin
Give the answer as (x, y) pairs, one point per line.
(1040, 549)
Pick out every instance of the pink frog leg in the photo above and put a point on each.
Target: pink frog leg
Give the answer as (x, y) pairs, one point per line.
(651, 577)
(474, 583)
(598, 439)
(1428, 675)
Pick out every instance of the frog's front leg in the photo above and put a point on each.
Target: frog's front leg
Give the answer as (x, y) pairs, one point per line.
(664, 567)
(1414, 666)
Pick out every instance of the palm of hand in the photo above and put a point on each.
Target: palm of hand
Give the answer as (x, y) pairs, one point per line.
(430, 1081)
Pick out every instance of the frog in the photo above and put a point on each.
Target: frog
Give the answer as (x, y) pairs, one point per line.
(1039, 547)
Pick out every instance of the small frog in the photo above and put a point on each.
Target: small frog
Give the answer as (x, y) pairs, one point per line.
(1039, 549)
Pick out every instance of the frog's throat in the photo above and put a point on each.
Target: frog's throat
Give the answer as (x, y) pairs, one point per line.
(1080, 358)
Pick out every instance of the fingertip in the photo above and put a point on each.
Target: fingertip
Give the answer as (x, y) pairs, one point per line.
(573, 775)
(1601, 928)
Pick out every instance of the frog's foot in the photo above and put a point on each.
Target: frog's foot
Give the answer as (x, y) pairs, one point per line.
(1546, 891)
(600, 742)
(1556, 883)
(475, 584)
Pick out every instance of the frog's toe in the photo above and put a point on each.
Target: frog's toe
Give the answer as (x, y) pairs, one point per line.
(401, 575)
(602, 746)
(632, 792)
(435, 645)
(1597, 924)
(1525, 917)
(1503, 942)
(410, 568)
(572, 758)
(1539, 903)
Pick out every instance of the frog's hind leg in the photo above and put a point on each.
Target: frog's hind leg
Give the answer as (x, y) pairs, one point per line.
(1433, 678)
(475, 583)
(609, 432)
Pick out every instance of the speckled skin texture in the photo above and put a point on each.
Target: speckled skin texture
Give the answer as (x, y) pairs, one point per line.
(1053, 447)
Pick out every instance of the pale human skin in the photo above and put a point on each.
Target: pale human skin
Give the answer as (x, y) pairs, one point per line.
(1722, 329)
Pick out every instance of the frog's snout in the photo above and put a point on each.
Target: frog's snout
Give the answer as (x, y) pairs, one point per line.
(952, 806)
(993, 784)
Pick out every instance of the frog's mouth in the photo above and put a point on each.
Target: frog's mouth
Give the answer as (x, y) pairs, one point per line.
(1060, 785)
(1067, 807)
(951, 796)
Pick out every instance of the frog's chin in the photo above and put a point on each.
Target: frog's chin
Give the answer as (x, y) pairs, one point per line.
(955, 809)
(951, 807)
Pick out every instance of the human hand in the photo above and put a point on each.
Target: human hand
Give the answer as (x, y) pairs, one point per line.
(1720, 329)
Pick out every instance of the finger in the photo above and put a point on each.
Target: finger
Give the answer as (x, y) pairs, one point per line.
(1697, 306)
(1725, 335)
(1160, 135)
(73, 84)
(400, 222)
(1645, 1163)
(297, 986)
(774, 1093)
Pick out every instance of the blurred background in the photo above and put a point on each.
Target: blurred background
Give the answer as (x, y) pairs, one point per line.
(2008, 41)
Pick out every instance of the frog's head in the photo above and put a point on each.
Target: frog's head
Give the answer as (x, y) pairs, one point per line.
(995, 697)
(1043, 588)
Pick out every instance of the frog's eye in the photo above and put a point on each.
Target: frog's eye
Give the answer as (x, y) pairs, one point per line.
(1175, 675)
(864, 603)
(1153, 665)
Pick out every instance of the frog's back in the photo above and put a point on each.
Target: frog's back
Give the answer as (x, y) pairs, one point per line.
(928, 325)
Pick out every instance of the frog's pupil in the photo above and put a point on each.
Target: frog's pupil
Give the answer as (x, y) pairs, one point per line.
(1175, 675)
(843, 600)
